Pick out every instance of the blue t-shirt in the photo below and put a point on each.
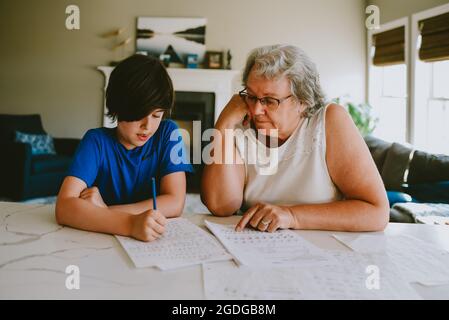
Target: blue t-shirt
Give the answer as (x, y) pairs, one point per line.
(124, 176)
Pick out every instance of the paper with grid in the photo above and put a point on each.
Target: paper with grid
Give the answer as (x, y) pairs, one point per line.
(256, 248)
(183, 244)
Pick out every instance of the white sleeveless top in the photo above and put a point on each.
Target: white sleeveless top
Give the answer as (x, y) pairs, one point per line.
(297, 172)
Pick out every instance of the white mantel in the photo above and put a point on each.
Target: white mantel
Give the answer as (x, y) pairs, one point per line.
(223, 83)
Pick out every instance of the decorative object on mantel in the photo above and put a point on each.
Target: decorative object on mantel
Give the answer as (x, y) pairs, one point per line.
(192, 61)
(228, 65)
(119, 45)
(165, 58)
(176, 37)
(214, 60)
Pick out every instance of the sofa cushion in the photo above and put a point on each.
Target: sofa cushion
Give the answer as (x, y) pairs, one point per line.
(378, 149)
(427, 167)
(50, 163)
(437, 192)
(395, 165)
(40, 143)
(398, 197)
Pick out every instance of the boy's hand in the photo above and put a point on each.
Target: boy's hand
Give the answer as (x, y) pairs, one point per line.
(148, 226)
(93, 195)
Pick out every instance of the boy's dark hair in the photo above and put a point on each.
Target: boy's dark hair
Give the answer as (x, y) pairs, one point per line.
(138, 85)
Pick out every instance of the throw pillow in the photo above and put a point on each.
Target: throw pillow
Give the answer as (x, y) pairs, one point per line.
(40, 143)
(398, 197)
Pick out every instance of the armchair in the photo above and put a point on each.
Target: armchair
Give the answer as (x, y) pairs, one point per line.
(24, 175)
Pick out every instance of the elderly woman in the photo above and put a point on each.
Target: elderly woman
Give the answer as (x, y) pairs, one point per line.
(325, 177)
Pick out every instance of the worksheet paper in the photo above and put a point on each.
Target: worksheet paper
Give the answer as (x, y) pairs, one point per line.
(349, 276)
(183, 244)
(356, 275)
(417, 260)
(256, 248)
(226, 281)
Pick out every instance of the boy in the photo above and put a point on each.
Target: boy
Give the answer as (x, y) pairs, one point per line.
(108, 186)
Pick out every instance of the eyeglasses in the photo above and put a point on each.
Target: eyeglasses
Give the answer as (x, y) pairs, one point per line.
(271, 103)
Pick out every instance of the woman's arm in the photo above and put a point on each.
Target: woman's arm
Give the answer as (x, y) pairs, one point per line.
(222, 184)
(170, 201)
(82, 213)
(352, 169)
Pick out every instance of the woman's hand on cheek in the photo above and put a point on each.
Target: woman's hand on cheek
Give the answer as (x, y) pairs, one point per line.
(234, 113)
(267, 217)
(93, 196)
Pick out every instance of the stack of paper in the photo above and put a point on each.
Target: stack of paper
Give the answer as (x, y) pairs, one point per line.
(182, 244)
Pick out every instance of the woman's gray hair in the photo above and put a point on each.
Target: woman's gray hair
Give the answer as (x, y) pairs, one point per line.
(286, 60)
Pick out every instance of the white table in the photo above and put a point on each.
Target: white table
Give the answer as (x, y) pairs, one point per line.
(35, 251)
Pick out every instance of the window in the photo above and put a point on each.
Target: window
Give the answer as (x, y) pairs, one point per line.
(430, 95)
(410, 92)
(388, 80)
(389, 101)
(432, 106)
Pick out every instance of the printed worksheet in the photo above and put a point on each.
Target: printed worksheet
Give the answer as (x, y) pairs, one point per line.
(417, 260)
(256, 248)
(350, 276)
(183, 244)
(226, 281)
(354, 275)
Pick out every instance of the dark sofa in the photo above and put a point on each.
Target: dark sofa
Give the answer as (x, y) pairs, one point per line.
(410, 175)
(23, 175)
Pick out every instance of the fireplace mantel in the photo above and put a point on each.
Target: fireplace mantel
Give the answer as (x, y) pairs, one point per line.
(223, 83)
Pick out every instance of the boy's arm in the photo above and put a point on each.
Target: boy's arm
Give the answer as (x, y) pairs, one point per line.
(75, 212)
(170, 202)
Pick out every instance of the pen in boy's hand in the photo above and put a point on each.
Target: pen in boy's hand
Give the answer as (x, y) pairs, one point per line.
(153, 181)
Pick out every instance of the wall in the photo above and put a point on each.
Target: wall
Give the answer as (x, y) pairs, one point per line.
(49, 70)
(395, 9)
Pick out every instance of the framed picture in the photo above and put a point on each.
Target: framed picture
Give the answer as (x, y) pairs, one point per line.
(173, 37)
(214, 60)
